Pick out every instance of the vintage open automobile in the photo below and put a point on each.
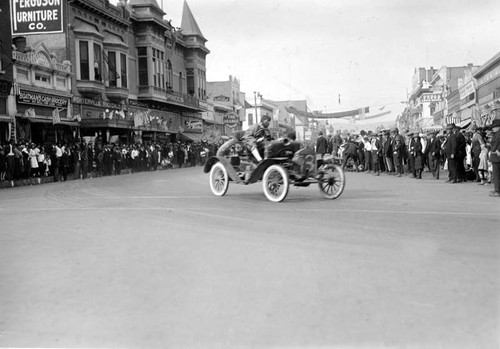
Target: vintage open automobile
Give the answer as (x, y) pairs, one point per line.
(285, 163)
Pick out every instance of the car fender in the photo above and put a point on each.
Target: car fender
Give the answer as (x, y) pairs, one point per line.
(258, 173)
(231, 172)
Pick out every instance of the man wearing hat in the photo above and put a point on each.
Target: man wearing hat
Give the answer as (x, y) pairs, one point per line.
(398, 150)
(321, 145)
(451, 149)
(461, 155)
(433, 151)
(495, 156)
(387, 152)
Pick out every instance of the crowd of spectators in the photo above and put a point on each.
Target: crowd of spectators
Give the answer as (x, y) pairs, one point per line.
(464, 154)
(32, 163)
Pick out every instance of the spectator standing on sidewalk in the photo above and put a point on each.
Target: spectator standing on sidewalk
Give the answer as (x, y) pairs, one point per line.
(495, 157)
(398, 151)
(451, 154)
(434, 154)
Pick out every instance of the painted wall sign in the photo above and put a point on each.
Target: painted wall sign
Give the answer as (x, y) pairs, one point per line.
(36, 16)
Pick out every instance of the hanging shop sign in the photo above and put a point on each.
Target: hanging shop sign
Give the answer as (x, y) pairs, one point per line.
(431, 97)
(231, 119)
(35, 98)
(36, 16)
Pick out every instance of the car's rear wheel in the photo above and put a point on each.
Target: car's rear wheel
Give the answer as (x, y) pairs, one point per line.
(275, 183)
(333, 181)
(219, 180)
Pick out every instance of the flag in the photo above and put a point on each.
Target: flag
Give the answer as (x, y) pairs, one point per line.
(55, 116)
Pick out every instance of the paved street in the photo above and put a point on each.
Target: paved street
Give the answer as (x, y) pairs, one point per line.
(154, 260)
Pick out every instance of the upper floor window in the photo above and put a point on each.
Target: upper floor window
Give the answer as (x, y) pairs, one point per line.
(169, 75)
(97, 62)
(123, 69)
(89, 56)
(158, 68)
(43, 78)
(113, 75)
(84, 60)
(142, 53)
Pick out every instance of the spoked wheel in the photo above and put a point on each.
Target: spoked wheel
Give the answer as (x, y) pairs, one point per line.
(333, 182)
(219, 180)
(275, 183)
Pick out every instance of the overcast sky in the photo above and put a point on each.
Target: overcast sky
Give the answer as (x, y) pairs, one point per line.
(364, 50)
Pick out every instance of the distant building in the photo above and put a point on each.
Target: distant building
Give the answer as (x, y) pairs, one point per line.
(488, 91)
(226, 107)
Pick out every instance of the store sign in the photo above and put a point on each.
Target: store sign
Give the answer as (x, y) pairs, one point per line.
(193, 125)
(36, 16)
(174, 98)
(96, 103)
(431, 97)
(42, 99)
(231, 119)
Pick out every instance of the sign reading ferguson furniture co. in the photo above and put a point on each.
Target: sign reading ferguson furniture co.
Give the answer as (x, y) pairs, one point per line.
(36, 16)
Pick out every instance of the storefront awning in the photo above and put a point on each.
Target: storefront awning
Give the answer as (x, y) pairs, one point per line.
(194, 137)
(49, 121)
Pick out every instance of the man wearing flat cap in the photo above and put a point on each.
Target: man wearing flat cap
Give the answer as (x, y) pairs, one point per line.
(451, 149)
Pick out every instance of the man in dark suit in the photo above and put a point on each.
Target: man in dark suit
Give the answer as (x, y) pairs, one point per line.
(321, 147)
(451, 153)
(433, 150)
(398, 150)
(461, 154)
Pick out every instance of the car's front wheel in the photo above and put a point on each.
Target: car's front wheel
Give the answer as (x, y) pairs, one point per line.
(219, 180)
(275, 183)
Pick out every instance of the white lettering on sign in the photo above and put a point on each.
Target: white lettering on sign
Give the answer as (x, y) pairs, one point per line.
(431, 97)
(36, 16)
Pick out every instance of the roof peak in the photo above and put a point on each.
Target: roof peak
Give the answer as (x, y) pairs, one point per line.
(188, 24)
